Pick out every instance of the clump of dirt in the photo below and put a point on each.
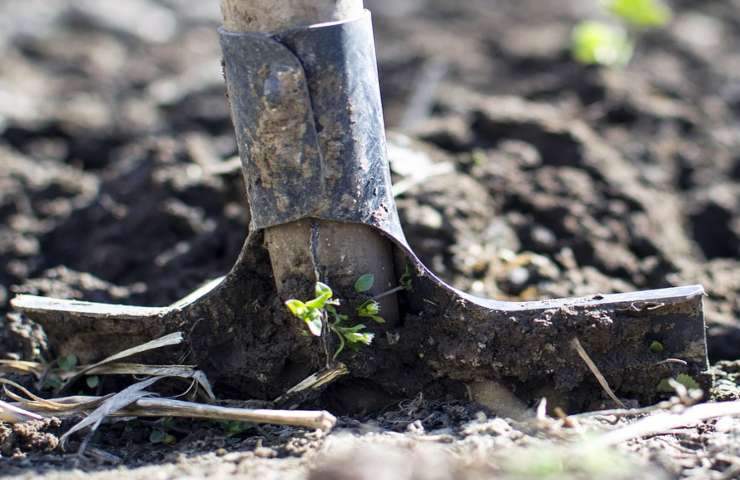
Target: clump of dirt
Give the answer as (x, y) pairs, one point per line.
(40, 436)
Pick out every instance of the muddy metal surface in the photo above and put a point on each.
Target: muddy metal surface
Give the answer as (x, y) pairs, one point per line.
(552, 179)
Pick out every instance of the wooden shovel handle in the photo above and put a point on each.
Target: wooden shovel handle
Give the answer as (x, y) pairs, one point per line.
(275, 15)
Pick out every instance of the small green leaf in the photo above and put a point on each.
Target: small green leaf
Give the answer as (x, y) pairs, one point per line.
(233, 427)
(169, 439)
(93, 381)
(656, 347)
(297, 308)
(323, 289)
(597, 43)
(357, 337)
(368, 309)
(53, 382)
(641, 13)
(320, 301)
(157, 436)
(68, 363)
(365, 283)
(314, 322)
(378, 319)
(684, 379)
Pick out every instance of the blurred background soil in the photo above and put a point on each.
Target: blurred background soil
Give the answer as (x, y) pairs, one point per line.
(118, 177)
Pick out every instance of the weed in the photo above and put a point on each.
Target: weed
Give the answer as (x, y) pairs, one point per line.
(684, 379)
(233, 428)
(365, 283)
(656, 347)
(321, 312)
(640, 13)
(370, 309)
(405, 280)
(599, 43)
(160, 436)
(68, 363)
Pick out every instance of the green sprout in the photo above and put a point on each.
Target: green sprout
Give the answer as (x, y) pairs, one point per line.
(599, 43)
(321, 312)
(233, 428)
(405, 280)
(68, 363)
(683, 378)
(656, 347)
(93, 381)
(370, 309)
(365, 283)
(596, 43)
(160, 436)
(640, 13)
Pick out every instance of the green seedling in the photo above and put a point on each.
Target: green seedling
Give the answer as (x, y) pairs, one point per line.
(68, 363)
(405, 280)
(53, 382)
(233, 428)
(370, 309)
(597, 43)
(321, 313)
(93, 381)
(365, 283)
(159, 436)
(684, 379)
(640, 13)
(656, 347)
(612, 44)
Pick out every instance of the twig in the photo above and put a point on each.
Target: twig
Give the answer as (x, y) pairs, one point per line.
(161, 407)
(388, 293)
(665, 421)
(576, 344)
(673, 360)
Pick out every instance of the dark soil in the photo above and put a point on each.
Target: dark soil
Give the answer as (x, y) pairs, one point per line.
(118, 183)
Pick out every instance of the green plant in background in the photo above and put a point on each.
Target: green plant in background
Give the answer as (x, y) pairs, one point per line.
(656, 347)
(68, 363)
(683, 378)
(599, 43)
(321, 312)
(640, 13)
(596, 43)
(233, 428)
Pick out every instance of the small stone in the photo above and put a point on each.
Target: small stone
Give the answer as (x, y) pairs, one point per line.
(264, 452)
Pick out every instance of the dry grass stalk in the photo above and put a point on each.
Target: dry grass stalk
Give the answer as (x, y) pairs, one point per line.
(178, 371)
(576, 344)
(166, 341)
(112, 405)
(13, 414)
(22, 367)
(664, 422)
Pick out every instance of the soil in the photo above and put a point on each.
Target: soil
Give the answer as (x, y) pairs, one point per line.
(118, 183)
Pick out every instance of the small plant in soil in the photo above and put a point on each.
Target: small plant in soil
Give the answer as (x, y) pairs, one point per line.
(320, 314)
(612, 44)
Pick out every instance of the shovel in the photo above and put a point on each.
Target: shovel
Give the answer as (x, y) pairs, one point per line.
(302, 82)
